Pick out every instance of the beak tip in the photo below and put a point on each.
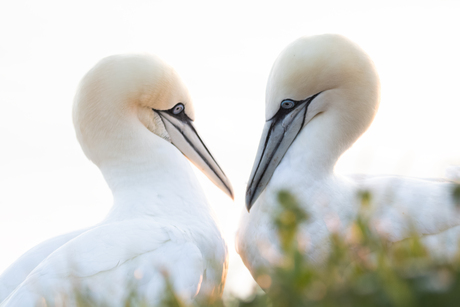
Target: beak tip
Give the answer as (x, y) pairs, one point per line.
(249, 200)
(228, 189)
(230, 193)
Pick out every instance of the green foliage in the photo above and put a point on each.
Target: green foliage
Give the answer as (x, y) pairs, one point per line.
(456, 194)
(288, 219)
(362, 269)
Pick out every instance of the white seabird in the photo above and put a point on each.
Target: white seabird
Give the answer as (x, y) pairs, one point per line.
(322, 94)
(133, 118)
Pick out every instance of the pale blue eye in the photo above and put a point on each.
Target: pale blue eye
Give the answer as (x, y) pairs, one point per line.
(287, 104)
(178, 108)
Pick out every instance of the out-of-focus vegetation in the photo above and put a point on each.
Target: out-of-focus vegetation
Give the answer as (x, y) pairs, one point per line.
(363, 271)
(366, 270)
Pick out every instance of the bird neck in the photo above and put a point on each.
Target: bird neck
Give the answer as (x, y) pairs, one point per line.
(314, 153)
(148, 176)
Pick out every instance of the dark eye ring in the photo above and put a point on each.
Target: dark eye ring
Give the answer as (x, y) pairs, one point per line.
(178, 108)
(287, 104)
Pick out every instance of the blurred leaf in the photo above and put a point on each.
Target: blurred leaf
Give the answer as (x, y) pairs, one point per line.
(456, 194)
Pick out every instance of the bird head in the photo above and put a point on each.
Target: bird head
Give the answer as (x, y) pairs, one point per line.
(138, 90)
(326, 83)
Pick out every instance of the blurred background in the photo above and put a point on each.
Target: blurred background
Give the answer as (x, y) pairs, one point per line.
(224, 52)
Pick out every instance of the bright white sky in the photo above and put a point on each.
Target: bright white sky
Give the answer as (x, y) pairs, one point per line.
(224, 52)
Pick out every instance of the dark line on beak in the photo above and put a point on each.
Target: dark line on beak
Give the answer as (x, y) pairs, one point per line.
(261, 157)
(198, 152)
(276, 119)
(207, 150)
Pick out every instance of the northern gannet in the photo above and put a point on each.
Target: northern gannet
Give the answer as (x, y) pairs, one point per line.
(322, 94)
(133, 118)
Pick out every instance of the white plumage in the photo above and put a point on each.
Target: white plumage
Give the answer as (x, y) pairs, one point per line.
(132, 115)
(322, 94)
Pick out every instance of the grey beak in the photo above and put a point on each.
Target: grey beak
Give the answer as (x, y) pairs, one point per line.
(184, 136)
(279, 133)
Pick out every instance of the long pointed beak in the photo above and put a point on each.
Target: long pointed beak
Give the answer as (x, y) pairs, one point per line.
(279, 133)
(184, 136)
